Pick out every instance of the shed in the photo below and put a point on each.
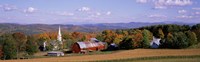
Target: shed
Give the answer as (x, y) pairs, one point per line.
(112, 47)
(55, 53)
(82, 47)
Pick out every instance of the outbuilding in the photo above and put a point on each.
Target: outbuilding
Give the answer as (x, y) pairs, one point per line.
(55, 53)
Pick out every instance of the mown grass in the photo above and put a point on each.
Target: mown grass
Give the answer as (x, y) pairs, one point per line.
(75, 54)
(193, 58)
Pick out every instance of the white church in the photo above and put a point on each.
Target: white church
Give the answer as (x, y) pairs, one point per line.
(57, 44)
(59, 38)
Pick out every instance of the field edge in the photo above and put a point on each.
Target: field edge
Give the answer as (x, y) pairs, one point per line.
(149, 58)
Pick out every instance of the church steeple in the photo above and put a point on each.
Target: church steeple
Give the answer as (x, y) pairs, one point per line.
(59, 38)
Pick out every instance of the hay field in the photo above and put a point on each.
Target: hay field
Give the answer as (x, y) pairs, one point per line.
(136, 53)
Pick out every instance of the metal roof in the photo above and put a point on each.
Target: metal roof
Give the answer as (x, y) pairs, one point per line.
(81, 44)
(89, 44)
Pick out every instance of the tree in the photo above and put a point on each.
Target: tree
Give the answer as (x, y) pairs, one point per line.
(31, 45)
(118, 38)
(100, 37)
(192, 39)
(77, 35)
(160, 33)
(168, 43)
(1, 51)
(196, 30)
(9, 48)
(108, 36)
(146, 39)
(69, 43)
(127, 43)
(20, 39)
(137, 37)
(180, 40)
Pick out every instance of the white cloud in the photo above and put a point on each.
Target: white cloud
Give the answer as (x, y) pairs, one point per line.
(163, 4)
(176, 2)
(7, 7)
(185, 17)
(141, 1)
(108, 13)
(30, 10)
(84, 9)
(98, 13)
(157, 16)
(159, 6)
(182, 11)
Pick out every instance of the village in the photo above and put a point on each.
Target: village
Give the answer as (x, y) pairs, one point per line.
(83, 47)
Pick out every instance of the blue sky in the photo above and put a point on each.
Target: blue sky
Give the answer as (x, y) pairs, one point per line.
(98, 11)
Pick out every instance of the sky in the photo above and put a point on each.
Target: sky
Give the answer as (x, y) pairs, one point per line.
(98, 11)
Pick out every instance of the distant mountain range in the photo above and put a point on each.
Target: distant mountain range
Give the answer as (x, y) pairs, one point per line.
(39, 28)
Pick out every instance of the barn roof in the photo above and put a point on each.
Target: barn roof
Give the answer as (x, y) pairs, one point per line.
(89, 44)
(82, 44)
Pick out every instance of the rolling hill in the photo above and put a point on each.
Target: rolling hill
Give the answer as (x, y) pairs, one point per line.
(39, 28)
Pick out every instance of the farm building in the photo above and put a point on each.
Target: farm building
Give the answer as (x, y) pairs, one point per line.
(82, 47)
(155, 42)
(55, 53)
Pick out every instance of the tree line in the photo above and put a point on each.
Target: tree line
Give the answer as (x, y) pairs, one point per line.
(171, 35)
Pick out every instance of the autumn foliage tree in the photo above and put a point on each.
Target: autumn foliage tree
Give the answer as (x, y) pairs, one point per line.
(108, 36)
(20, 39)
(137, 37)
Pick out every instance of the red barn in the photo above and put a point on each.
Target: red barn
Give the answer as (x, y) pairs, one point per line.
(82, 47)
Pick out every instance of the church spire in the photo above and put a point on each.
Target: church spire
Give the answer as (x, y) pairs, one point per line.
(59, 38)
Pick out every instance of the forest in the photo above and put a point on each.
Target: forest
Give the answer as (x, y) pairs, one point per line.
(18, 44)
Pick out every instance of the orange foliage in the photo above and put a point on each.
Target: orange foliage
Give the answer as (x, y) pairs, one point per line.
(138, 39)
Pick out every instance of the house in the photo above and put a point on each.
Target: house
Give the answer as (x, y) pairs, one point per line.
(112, 47)
(155, 42)
(83, 47)
(55, 53)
